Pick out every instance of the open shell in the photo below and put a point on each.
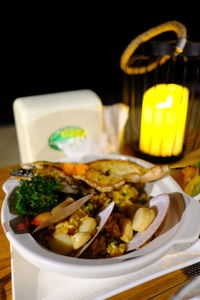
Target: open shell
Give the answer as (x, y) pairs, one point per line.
(161, 203)
(102, 218)
(63, 213)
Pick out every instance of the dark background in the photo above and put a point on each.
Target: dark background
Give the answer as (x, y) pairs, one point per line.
(45, 53)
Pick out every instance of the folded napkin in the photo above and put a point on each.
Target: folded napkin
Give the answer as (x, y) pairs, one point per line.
(114, 119)
(37, 284)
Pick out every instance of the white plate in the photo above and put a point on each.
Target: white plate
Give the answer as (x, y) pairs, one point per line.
(101, 268)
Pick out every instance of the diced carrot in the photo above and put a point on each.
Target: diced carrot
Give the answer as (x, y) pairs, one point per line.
(80, 169)
(179, 177)
(74, 169)
(41, 218)
(184, 176)
(189, 173)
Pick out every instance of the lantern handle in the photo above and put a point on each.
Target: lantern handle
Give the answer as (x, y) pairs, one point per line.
(175, 26)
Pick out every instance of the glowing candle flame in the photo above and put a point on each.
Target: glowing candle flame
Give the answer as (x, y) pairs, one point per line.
(163, 120)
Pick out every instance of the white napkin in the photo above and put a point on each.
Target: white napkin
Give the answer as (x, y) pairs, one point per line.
(114, 120)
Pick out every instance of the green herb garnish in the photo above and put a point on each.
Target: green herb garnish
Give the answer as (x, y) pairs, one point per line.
(196, 189)
(90, 206)
(198, 164)
(38, 195)
(143, 199)
(125, 193)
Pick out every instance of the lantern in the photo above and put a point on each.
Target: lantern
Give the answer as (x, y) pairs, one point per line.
(162, 90)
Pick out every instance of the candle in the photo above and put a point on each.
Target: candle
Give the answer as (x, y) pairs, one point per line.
(163, 120)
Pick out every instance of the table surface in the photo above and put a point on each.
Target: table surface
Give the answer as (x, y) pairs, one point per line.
(159, 288)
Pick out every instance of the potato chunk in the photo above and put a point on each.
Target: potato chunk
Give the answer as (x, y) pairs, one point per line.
(61, 243)
(126, 229)
(88, 225)
(80, 239)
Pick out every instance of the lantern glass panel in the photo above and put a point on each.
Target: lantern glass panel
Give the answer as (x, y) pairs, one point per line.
(164, 117)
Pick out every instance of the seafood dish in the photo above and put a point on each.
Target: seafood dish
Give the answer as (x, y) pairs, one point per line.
(90, 210)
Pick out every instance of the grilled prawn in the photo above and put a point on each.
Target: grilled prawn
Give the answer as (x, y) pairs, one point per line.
(103, 175)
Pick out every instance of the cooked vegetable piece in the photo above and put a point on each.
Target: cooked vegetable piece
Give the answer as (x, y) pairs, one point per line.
(189, 179)
(126, 230)
(37, 196)
(74, 169)
(41, 218)
(193, 187)
(189, 173)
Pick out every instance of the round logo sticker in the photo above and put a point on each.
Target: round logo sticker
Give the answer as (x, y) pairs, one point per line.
(66, 135)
